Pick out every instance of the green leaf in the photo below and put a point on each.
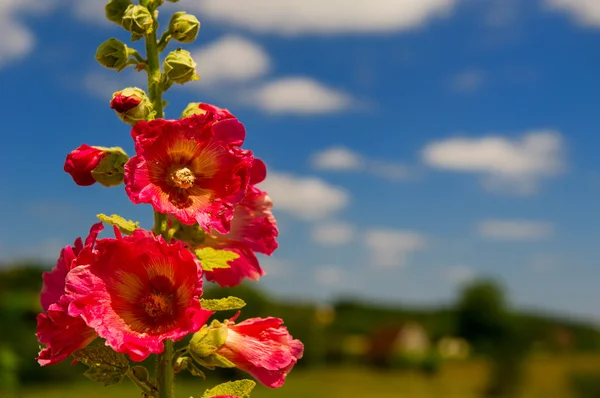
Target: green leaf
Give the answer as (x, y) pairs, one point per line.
(105, 365)
(224, 304)
(238, 388)
(125, 226)
(212, 259)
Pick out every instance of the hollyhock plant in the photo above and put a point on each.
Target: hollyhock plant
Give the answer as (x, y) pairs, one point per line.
(112, 302)
(135, 308)
(61, 333)
(191, 168)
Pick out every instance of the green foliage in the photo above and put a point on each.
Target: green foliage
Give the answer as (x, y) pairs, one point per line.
(224, 304)
(105, 365)
(212, 259)
(238, 388)
(481, 313)
(585, 385)
(125, 226)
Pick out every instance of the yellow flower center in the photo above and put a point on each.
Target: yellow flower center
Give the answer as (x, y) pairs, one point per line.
(183, 178)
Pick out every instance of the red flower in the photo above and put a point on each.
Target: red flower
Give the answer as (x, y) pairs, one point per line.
(191, 168)
(61, 333)
(263, 348)
(253, 229)
(138, 292)
(80, 163)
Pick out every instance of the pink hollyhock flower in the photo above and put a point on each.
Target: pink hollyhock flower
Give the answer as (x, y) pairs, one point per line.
(191, 168)
(62, 333)
(138, 292)
(262, 347)
(80, 163)
(253, 229)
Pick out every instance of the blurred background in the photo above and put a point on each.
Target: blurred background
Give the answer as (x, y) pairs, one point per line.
(433, 164)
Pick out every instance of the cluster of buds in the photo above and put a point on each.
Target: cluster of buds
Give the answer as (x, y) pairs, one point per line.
(141, 291)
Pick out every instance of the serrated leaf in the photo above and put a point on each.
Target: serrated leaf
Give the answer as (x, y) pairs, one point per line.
(238, 388)
(223, 304)
(106, 377)
(105, 365)
(125, 226)
(212, 259)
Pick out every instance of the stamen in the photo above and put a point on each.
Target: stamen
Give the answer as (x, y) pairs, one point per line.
(183, 178)
(157, 306)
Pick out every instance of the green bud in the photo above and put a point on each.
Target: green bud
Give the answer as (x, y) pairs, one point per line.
(206, 341)
(138, 20)
(179, 67)
(113, 54)
(192, 109)
(132, 105)
(184, 27)
(109, 172)
(115, 9)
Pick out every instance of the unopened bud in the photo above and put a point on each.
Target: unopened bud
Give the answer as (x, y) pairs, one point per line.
(138, 20)
(115, 9)
(184, 27)
(132, 105)
(193, 108)
(179, 67)
(113, 54)
(206, 341)
(110, 171)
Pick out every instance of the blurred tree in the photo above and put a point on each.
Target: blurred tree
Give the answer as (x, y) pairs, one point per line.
(483, 319)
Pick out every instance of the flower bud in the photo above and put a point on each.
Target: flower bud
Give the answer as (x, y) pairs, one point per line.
(115, 9)
(184, 27)
(193, 108)
(113, 54)
(206, 341)
(138, 20)
(80, 163)
(179, 67)
(110, 170)
(131, 105)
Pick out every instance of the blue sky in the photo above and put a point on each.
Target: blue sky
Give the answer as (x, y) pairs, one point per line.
(412, 145)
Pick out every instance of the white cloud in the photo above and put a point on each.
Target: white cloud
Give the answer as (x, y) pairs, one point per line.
(458, 274)
(515, 230)
(274, 267)
(298, 95)
(468, 81)
(324, 17)
(337, 159)
(586, 12)
(329, 275)
(307, 198)
(333, 233)
(391, 248)
(514, 166)
(343, 159)
(231, 59)
(17, 39)
(90, 10)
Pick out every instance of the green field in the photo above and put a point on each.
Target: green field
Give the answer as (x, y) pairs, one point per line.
(546, 378)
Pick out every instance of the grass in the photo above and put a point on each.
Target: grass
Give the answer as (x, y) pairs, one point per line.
(546, 378)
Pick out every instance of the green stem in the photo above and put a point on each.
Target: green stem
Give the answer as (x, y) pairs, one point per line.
(164, 372)
(164, 366)
(154, 89)
(142, 385)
